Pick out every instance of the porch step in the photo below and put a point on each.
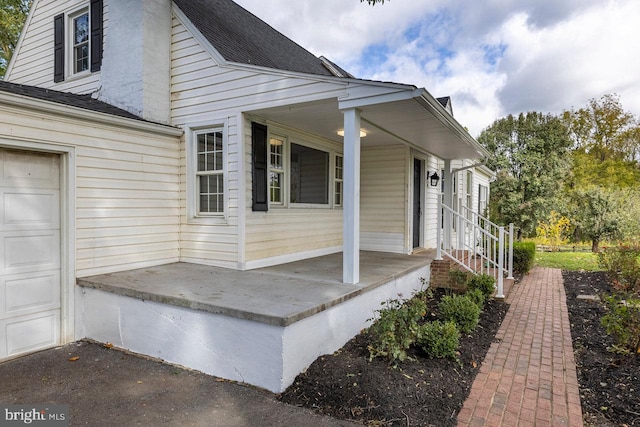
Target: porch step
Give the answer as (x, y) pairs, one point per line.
(440, 273)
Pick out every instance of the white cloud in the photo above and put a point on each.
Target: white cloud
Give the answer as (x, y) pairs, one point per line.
(493, 58)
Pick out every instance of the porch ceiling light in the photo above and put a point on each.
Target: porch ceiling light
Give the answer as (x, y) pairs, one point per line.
(434, 179)
(362, 133)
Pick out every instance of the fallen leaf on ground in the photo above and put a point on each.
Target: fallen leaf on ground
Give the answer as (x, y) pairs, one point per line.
(107, 345)
(74, 358)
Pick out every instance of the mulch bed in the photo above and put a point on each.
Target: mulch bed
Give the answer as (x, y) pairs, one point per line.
(422, 392)
(609, 383)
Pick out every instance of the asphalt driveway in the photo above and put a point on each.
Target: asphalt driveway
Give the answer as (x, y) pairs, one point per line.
(107, 387)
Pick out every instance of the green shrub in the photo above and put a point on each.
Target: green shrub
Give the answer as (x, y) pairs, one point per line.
(439, 339)
(460, 309)
(477, 297)
(623, 322)
(396, 328)
(524, 253)
(484, 283)
(622, 263)
(459, 279)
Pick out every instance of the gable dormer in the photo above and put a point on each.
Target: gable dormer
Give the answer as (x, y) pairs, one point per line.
(116, 50)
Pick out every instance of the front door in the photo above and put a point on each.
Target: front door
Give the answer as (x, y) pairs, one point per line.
(417, 201)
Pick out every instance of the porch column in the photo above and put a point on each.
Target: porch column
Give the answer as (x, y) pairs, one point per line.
(351, 201)
(448, 201)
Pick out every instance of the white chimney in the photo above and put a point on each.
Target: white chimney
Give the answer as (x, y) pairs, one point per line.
(136, 63)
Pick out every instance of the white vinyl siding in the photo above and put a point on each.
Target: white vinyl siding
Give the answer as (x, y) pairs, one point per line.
(34, 59)
(383, 198)
(202, 91)
(127, 189)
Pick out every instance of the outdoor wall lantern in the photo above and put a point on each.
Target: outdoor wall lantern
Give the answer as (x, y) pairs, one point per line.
(434, 179)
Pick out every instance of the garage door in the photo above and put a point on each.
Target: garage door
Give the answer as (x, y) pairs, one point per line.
(29, 252)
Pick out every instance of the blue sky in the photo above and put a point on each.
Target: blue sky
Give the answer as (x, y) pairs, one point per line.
(493, 57)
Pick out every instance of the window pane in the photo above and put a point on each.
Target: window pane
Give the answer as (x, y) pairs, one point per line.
(218, 160)
(202, 143)
(81, 58)
(338, 200)
(275, 187)
(81, 29)
(210, 151)
(275, 152)
(309, 175)
(211, 191)
(338, 167)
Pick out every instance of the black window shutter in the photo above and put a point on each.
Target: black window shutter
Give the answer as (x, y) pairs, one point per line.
(260, 169)
(96, 35)
(58, 48)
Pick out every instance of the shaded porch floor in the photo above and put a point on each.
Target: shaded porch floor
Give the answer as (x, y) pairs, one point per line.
(279, 295)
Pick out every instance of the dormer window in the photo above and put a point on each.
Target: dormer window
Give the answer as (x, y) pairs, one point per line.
(78, 41)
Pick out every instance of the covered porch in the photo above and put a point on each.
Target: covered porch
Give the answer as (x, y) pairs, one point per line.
(373, 115)
(262, 327)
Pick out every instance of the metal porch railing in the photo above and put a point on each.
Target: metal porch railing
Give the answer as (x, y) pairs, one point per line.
(476, 244)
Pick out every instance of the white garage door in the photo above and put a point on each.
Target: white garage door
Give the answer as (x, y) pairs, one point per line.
(29, 252)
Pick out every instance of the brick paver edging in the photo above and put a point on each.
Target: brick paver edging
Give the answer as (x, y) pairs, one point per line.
(529, 378)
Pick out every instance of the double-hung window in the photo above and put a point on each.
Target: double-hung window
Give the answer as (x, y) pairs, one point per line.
(77, 41)
(209, 182)
(276, 170)
(80, 42)
(338, 181)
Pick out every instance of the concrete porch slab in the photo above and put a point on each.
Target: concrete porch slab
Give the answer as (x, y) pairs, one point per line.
(261, 327)
(278, 295)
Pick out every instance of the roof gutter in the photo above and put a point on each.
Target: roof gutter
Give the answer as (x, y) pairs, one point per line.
(40, 105)
(475, 165)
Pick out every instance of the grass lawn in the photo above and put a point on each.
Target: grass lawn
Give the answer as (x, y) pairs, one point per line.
(574, 261)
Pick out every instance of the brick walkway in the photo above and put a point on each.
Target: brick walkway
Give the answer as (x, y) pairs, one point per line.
(529, 377)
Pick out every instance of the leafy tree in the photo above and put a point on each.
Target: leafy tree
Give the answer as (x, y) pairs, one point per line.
(553, 232)
(628, 216)
(605, 176)
(530, 154)
(596, 215)
(604, 130)
(12, 16)
(587, 170)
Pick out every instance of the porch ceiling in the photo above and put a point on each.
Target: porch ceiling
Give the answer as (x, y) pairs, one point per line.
(412, 121)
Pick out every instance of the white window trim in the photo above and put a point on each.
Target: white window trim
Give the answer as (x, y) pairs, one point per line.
(292, 137)
(285, 169)
(337, 180)
(191, 152)
(69, 43)
(330, 175)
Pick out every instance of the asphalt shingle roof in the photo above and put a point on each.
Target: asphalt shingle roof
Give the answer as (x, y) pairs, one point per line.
(71, 99)
(239, 36)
